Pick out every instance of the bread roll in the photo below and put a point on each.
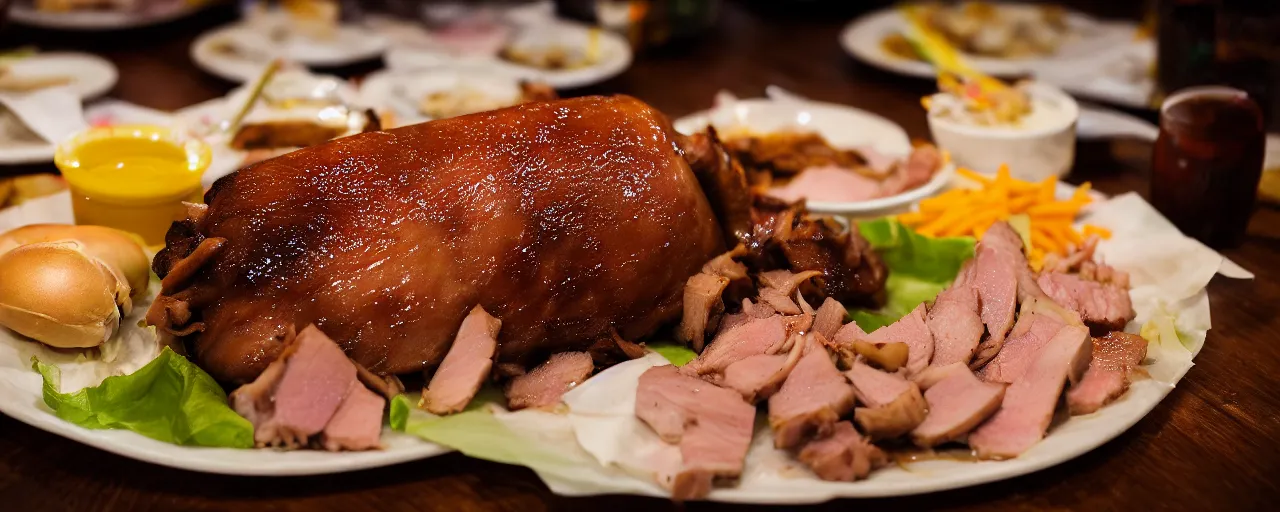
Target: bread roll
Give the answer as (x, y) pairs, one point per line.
(114, 247)
(60, 294)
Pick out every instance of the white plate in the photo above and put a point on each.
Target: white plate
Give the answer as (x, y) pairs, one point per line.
(92, 20)
(400, 91)
(20, 396)
(1105, 61)
(91, 75)
(352, 44)
(842, 126)
(614, 56)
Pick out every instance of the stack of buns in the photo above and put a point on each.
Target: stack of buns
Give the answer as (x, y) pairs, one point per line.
(69, 286)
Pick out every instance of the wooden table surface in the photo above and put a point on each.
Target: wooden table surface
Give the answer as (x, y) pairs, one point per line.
(1212, 444)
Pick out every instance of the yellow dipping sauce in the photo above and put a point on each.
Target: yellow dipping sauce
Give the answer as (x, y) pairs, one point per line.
(132, 177)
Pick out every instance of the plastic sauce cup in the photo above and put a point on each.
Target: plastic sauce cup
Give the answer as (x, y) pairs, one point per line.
(132, 177)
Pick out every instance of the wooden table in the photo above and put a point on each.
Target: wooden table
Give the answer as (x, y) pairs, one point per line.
(1212, 444)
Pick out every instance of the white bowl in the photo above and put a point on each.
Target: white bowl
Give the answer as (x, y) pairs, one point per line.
(842, 126)
(1032, 153)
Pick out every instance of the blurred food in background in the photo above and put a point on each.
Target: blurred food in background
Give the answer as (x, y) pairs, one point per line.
(646, 23)
(15, 190)
(990, 29)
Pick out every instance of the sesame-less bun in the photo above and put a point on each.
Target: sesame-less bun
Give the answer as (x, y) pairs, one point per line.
(114, 247)
(60, 294)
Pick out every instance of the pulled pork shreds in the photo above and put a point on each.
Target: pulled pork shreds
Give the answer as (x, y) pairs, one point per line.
(465, 366)
(1114, 358)
(712, 426)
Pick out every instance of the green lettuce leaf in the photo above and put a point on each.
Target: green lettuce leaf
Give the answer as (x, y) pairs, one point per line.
(170, 399)
(675, 353)
(919, 268)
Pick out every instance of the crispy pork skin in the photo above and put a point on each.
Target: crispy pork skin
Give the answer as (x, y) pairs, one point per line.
(1114, 358)
(544, 386)
(299, 393)
(357, 424)
(843, 456)
(957, 404)
(565, 219)
(466, 365)
(712, 426)
(954, 321)
(913, 331)
(1028, 404)
(811, 400)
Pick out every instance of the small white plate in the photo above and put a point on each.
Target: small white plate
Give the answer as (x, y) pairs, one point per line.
(91, 75)
(1104, 60)
(614, 55)
(399, 92)
(94, 20)
(351, 44)
(21, 395)
(842, 126)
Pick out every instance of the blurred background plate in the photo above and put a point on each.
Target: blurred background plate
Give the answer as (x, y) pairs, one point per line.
(25, 13)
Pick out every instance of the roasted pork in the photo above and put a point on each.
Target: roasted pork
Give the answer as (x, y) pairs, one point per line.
(814, 396)
(894, 405)
(912, 330)
(954, 321)
(753, 337)
(357, 424)
(1104, 307)
(466, 366)
(544, 386)
(842, 456)
(1114, 358)
(957, 404)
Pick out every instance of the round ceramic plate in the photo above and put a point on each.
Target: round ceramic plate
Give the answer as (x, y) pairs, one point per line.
(842, 126)
(399, 92)
(238, 54)
(21, 397)
(1102, 60)
(613, 55)
(91, 75)
(93, 20)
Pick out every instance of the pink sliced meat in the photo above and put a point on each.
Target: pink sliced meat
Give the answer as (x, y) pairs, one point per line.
(544, 386)
(814, 396)
(894, 405)
(1028, 404)
(724, 265)
(465, 366)
(702, 298)
(786, 281)
(1103, 306)
(759, 377)
(298, 393)
(954, 321)
(827, 183)
(917, 170)
(753, 337)
(957, 404)
(843, 456)
(1037, 324)
(935, 374)
(712, 426)
(357, 424)
(995, 278)
(848, 333)
(913, 331)
(1114, 358)
(779, 301)
(828, 319)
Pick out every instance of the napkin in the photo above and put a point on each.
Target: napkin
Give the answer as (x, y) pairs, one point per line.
(53, 113)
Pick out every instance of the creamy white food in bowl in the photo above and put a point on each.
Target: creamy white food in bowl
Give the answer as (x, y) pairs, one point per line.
(1042, 143)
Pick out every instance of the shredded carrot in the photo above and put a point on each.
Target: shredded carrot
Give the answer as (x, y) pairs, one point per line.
(971, 211)
(1103, 233)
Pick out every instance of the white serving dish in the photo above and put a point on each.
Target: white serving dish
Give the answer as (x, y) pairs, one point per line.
(1032, 153)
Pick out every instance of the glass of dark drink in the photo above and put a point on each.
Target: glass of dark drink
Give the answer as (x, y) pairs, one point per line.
(1207, 162)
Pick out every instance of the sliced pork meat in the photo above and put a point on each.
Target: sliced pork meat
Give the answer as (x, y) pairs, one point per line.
(357, 424)
(849, 332)
(544, 386)
(995, 278)
(754, 336)
(1027, 408)
(726, 266)
(703, 299)
(842, 456)
(712, 426)
(1039, 321)
(828, 319)
(759, 377)
(779, 301)
(1114, 358)
(1103, 306)
(466, 365)
(954, 321)
(935, 374)
(894, 405)
(811, 400)
(828, 183)
(913, 331)
(298, 393)
(957, 404)
(785, 281)
(917, 170)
